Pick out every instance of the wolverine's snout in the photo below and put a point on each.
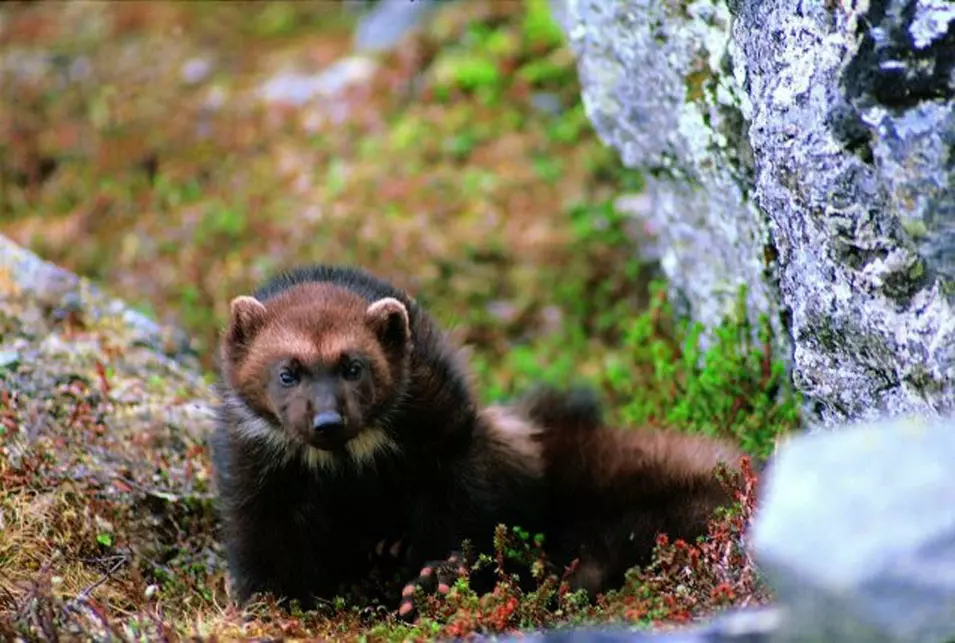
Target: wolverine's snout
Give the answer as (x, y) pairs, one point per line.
(328, 426)
(328, 421)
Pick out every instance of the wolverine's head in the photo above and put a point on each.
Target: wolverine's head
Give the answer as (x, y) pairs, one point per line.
(320, 364)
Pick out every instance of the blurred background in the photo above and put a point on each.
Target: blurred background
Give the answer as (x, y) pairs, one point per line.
(179, 152)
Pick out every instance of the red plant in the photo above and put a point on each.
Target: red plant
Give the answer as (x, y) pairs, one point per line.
(690, 580)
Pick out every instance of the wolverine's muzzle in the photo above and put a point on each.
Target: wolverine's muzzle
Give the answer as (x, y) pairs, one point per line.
(329, 431)
(328, 422)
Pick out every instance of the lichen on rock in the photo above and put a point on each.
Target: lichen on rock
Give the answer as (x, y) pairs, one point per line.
(658, 86)
(802, 149)
(102, 427)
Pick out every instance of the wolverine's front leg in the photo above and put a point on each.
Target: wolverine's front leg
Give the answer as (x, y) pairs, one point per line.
(285, 562)
(257, 571)
(433, 551)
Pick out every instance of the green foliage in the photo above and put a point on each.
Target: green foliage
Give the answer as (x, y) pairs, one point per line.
(570, 126)
(539, 26)
(543, 72)
(276, 19)
(651, 366)
(466, 71)
(735, 387)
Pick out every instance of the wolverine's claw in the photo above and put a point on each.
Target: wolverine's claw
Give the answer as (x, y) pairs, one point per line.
(388, 549)
(434, 577)
(395, 549)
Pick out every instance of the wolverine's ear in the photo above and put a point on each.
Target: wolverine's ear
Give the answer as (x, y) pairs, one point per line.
(246, 315)
(388, 317)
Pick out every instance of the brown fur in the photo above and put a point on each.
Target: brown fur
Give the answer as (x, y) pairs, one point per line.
(415, 461)
(412, 458)
(612, 491)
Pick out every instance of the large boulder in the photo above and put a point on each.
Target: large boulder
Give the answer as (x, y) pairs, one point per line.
(856, 533)
(804, 150)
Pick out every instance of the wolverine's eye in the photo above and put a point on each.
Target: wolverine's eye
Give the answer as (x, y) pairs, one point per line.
(288, 378)
(353, 370)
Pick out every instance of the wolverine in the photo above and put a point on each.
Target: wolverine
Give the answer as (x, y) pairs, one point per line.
(608, 491)
(347, 419)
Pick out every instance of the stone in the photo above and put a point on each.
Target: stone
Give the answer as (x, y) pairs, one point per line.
(298, 88)
(755, 625)
(58, 292)
(388, 21)
(9, 358)
(801, 149)
(856, 532)
(655, 88)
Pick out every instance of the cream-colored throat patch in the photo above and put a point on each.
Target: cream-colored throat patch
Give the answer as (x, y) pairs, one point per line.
(362, 450)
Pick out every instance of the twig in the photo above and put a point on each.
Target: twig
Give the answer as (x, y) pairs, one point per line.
(89, 590)
(10, 596)
(159, 493)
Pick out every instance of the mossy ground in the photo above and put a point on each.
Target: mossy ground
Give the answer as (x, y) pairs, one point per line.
(138, 152)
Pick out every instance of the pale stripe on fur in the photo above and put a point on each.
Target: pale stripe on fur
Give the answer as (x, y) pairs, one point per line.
(362, 449)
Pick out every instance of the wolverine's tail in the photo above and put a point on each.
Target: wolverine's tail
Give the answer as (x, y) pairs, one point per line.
(576, 408)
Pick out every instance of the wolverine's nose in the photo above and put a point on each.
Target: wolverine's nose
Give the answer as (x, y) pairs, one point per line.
(328, 421)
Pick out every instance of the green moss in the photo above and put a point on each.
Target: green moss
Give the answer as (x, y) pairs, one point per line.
(539, 72)
(650, 365)
(502, 43)
(466, 70)
(539, 26)
(548, 168)
(915, 228)
(736, 387)
(695, 84)
(658, 374)
(406, 132)
(570, 126)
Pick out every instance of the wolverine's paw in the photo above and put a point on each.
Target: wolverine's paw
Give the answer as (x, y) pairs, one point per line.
(435, 577)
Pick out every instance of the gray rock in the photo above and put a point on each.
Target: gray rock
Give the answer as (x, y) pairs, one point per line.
(656, 88)
(385, 24)
(852, 142)
(802, 149)
(735, 626)
(196, 70)
(60, 292)
(856, 532)
(297, 88)
(9, 358)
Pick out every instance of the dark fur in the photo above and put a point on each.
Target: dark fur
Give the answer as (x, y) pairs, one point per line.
(608, 492)
(302, 532)
(612, 491)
